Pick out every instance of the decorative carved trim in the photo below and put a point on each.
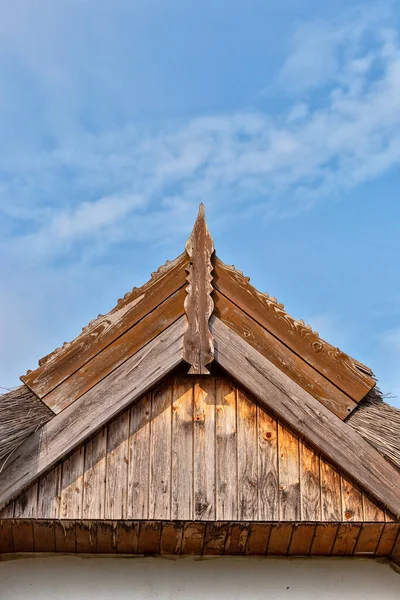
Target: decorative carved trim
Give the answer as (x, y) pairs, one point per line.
(198, 348)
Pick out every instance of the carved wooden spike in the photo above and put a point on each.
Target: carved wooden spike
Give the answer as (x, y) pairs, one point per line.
(198, 350)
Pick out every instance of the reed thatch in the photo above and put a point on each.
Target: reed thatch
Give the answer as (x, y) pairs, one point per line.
(379, 424)
(21, 413)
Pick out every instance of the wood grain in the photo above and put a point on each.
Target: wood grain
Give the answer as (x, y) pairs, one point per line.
(226, 449)
(104, 330)
(330, 362)
(139, 457)
(94, 480)
(160, 453)
(247, 458)
(331, 497)
(117, 468)
(310, 484)
(72, 485)
(289, 475)
(204, 449)
(268, 478)
(352, 505)
(182, 450)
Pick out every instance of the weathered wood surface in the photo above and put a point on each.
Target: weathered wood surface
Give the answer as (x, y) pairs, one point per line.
(198, 349)
(85, 416)
(198, 538)
(114, 355)
(104, 330)
(195, 449)
(336, 366)
(283, 357)
(307, 416)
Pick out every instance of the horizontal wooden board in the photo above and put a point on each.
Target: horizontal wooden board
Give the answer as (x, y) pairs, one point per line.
(330, 362)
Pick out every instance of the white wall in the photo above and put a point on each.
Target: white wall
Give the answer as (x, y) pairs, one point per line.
(80, 578)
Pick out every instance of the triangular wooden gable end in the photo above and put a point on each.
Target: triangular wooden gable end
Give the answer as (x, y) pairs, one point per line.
(198, 309)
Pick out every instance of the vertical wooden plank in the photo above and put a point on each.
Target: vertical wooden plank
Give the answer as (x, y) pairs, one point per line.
(43, 535)
(49, 494)
(139, 457)
(268, 483)
(247, 458)
(182, 449)
(310, 485)
(149, 537)
(324, 538)
(215, 538)
(23, 535)
(226, 447)
(160, 453)
(372, 512)
(25, 506)
(302, 538)
(395, 554)
(204, 449)
(106, 537)
(171, 537)
(65, 537)
(236, 538)
(127, 537)
(346, 539)
(193, 538)
(289, 475)
(352, 504)
(8, 511)
(94, 479)
(331, 501)
(117, 467)
(368, 539)
(279, 539)
(258, 538)
(6, 537)
(388, 539)
(72, 485)
(86, 537)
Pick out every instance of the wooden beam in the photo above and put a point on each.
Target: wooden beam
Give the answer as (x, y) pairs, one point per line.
(86, 415)
(198, 349)
(63, 362)
(344, 372)
(336, 440)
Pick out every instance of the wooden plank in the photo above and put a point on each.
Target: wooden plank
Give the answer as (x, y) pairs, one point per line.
(336, 366)
(215, 538)
(117, 353)
(279, 539)
(160, 454)
(247, 458)
(268, 483)
(388, 538)
(302, 538)
(368, 539)
(72, 485)
(198, 345)
(127, 533)
(352, 504)
(149, 537)
(8, 511)
(139, 453)
(289, 475)
(65, 537)
(346, 539)
(372, 512)
(106, 329)
(117, 468)
(182, 449)
(258, 538)
(86, 537)
(94, 479)
(43, 535)
(23, 535)
(171, 537)
(226, 450)
(236, 538)
(193, 537)
(283, 357)
(6, 537)
(25, 506)
(395, 555)
(310, 484)
(49, 494)
(324, 538)
(106, 537)
(310, 418)
(331, 498)
(204, 442)
(84, 417)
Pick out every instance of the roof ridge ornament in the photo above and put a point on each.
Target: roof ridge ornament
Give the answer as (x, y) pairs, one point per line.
(198, 343)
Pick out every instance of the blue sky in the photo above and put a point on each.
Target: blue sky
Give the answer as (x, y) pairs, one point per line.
(117, 118)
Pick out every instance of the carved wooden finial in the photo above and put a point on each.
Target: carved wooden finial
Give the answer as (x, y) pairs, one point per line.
(198, 349)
